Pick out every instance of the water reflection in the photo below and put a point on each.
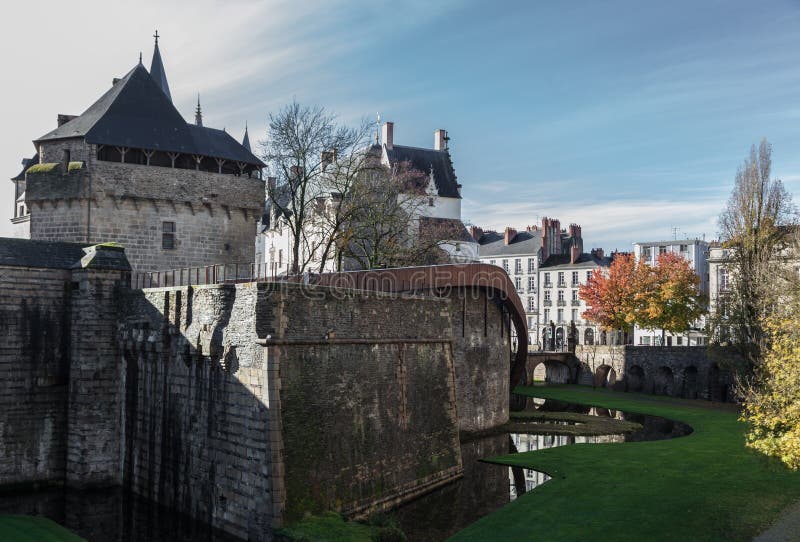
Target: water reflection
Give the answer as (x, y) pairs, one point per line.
(486, 487)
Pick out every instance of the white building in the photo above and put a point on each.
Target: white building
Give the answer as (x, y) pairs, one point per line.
(440, 206)
(696, 252)
(535, 258)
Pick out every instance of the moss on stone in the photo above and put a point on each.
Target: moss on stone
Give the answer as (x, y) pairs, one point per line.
(73, 166)
(42, 168)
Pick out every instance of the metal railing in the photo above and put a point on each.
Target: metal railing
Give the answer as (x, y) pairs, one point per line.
(198, 276)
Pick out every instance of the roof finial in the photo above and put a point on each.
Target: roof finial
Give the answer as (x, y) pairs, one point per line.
(140, 58)
(246, 139)
(377, 128)
(156, 37)
(198, 114)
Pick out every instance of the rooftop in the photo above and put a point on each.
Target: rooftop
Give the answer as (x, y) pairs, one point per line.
(425, 160)
(524, 243)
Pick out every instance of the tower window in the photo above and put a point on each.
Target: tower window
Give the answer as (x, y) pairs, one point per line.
(168, 235)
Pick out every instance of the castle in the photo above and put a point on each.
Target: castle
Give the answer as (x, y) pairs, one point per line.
(131, 170)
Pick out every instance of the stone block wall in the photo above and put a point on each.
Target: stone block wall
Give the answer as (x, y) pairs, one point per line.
(34, 371)
(367, 399)
(215, 215)
(195, 427)
(482, 357)
(678, 371)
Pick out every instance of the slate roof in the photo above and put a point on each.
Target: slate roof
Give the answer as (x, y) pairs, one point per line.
(451, 228)
(158, 73)
(524, 243)
(28, 163)
(562, 261)
(423, 159)
(135, 112)
(47, 254)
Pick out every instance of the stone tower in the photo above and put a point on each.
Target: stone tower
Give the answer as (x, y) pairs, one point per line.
(131, 170)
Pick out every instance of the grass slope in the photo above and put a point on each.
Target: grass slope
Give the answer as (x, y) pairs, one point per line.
(706, 486)
(34, 529)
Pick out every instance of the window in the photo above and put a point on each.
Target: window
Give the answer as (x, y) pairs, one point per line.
(492, 262)
(530, 322)
(662, 250)
(531, 304)
(430, 202)
(575, 279)
(518, 266)
(547, 280)
(547, 295)
(588, 275)
(575, 295)
(647, 253)
(280, 257)
(723, 279)
(645, 341)
(546, 315)
(561, 295)
(561, 281)
(531, 284)
(505, 265)
(684, 248)
(679, 341)
(574, 315)
(560, 315)
(168, 235)
(531, 265)
(518, 283)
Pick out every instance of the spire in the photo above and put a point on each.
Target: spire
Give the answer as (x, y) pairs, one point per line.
(157, 69)
(246, 139)
(198, 115)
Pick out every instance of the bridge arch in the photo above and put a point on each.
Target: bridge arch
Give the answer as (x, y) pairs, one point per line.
(605, 376)
(634, 378)
(689, 388)
(663, 381)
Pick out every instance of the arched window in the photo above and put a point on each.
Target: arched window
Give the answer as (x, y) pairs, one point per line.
(588, 336)
(603, 338)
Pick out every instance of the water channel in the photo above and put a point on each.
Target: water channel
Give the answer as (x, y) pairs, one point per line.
(115, 515)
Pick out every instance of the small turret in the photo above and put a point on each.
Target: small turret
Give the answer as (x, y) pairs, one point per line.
(157, 69)
(198, 114)
(246, 139)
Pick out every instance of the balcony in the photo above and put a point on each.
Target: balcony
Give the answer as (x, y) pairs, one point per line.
(562, 284)
(547, 303)
(548, 284)
(562, 303)
(575, 303)
(575, 284)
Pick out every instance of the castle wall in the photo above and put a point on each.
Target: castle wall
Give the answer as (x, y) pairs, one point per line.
(482, 357)
(34, 371)
(215, 215)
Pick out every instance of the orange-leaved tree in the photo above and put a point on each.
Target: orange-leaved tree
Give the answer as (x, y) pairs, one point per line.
(611, 296)
(676, 300)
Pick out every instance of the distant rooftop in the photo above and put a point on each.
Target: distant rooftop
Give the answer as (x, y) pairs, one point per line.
(524, 243)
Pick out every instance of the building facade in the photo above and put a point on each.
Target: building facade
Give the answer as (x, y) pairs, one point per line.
(696, 252)
(131, 170)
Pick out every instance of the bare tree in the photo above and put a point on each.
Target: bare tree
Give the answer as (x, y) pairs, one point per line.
(316, 162)
(754, 226)
(387, 224)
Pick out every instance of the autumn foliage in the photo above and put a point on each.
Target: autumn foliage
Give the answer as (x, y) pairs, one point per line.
(665, 296)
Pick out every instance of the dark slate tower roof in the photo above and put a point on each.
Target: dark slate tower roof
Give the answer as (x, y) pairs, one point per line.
(157, 70)
(135, 112)
(423, 160)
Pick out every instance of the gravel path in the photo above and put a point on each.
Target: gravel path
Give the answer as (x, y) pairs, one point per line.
(785, 529)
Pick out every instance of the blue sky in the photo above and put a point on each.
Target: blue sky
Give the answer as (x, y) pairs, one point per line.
(627, 117)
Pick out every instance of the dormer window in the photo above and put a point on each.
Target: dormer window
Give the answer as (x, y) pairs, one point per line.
(431, 201)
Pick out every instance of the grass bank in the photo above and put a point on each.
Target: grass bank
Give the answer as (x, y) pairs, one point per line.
(706, 486)
(34, 529)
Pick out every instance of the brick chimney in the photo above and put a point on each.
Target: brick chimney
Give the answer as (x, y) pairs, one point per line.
(440, 140)
(510, 234)
(574, 253)
(476, 233)
(575, 231)
(598, 253)
(388, 134)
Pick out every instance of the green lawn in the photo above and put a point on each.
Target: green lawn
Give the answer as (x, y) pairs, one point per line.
(34, 529)
(705, 486)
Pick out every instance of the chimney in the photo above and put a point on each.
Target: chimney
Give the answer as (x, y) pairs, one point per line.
(328, 157)
(476, 233)
(598, 253)
(440, 140)
(510, 234)
(63, 119)
(574, 253)
(388, 135)
(575, 231)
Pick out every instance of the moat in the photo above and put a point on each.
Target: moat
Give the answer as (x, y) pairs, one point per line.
(120, 516)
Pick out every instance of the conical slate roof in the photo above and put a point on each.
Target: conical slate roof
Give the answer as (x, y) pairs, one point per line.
(246, 140)
(136, 113)
(157, 72)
